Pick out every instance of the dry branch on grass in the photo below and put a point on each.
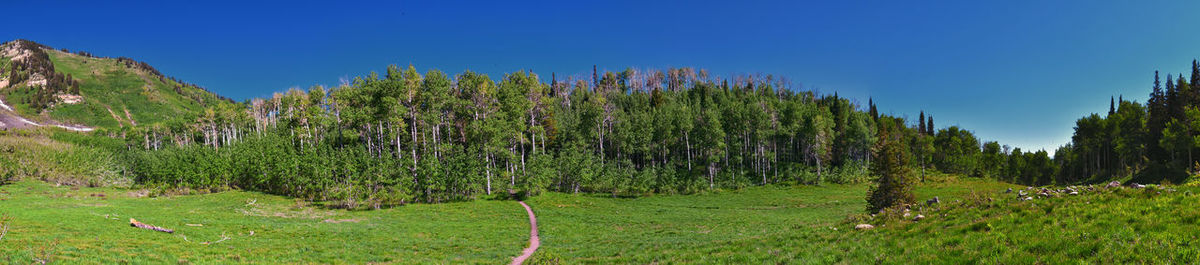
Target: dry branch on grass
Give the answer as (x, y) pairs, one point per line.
(5, 222)
(45, 253)
(135, 223)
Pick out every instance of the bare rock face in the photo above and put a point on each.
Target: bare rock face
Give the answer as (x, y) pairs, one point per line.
(69, 99)
(864, 227)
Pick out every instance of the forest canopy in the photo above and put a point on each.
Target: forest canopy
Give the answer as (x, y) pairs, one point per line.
(405, 137)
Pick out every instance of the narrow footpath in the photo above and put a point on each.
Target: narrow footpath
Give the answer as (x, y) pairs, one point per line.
(534, 242)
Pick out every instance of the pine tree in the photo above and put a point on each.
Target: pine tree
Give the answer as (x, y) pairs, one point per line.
(921, 123)
(1111, 108)
(929, 127)
(1195, 84)
(1174, 100)
(895, 183)
(874, 112)
(1156, 120)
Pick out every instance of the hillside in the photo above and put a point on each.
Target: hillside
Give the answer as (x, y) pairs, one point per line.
(56, 87)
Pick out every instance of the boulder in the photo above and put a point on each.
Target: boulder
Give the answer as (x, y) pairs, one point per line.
(1113, 184)
(932, 201)
(864, 227)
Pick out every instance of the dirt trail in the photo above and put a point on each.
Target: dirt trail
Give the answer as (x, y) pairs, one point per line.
(534, 242)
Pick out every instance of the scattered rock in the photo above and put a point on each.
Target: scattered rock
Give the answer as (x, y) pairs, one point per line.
(1137, 186)
(1073, 193)
(1027, 198)
(932, 201)
(139, 193)
(918, 218)
(1113, 184)
(864, 227)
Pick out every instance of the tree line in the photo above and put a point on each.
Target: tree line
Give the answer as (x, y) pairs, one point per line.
(405, 137)
(1148, 143)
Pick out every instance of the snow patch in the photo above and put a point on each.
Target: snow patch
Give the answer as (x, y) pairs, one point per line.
(27, 121)
(5, 106)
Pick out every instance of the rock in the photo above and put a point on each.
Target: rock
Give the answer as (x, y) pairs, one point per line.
(1008, 191)
(1137, 186)
(906, 214)
(1113, 184)
(932, 201)
(1027, 198)
(918, 218)
(1073, 193)
(864, 227)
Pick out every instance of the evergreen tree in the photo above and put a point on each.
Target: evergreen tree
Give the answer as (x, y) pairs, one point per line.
(1111, 108)
(929, 127)
(1174, 100)
(1195, 84)
(874, 112)
(1156, 120)
(921, 124)
(894, 183)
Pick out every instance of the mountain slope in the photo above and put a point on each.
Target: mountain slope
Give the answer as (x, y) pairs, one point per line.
(51, 86)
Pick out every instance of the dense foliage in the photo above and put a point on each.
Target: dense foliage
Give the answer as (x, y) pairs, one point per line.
(1143, 143)
(407, 137)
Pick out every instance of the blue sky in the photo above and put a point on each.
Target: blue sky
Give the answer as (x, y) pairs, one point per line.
(1018, 72)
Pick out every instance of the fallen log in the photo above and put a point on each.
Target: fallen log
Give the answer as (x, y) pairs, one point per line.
(135, 223)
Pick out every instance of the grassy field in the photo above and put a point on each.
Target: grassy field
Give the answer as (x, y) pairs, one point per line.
(975, 223)
(91, 226)
(772, 224)
(781, 225)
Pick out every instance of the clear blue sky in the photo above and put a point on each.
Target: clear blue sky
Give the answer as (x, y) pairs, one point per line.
(1019, 72)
